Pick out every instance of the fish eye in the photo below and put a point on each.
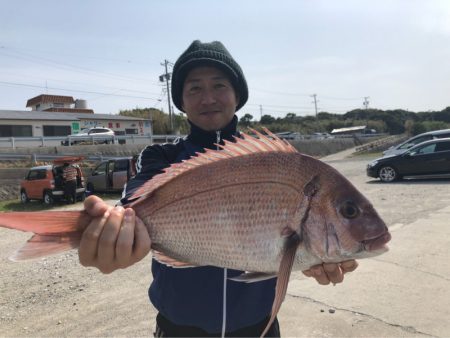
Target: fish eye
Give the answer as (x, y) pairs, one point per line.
(349, 210)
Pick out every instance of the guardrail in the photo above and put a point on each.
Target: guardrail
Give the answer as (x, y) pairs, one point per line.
(50, 141)
(378, 144)
(34, 158)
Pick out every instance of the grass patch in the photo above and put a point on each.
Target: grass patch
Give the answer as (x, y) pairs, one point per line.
(16, 205)
(368, 155)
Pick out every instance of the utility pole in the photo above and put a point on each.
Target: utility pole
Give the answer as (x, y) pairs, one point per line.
(162, 78)
(366, 102)
(315, 102)
(260, 112)
(366, 107)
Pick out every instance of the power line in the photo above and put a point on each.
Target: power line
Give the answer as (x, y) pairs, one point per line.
(77, 55)
(65, 66)
(81, 84)
(278, 93)
(76, 90)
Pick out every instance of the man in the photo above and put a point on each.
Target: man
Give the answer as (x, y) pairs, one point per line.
(70, 183)
(209, 86)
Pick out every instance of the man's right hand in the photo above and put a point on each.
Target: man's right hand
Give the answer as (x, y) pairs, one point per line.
(114, 239)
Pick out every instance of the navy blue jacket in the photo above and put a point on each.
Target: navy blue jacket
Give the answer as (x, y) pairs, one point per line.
(195, 296)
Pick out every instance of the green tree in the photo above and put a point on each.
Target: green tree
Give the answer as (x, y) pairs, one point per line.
(267, 119)
(160, 120)
(246, 120)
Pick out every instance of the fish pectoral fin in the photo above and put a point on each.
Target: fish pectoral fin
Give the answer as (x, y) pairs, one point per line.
(43, 245)
(252, 277)
(169, 261)
(284, 272)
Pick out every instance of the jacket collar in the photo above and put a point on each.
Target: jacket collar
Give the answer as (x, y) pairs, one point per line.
(206, 139)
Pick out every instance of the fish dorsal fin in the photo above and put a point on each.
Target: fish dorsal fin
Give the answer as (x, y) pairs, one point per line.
(243, 146)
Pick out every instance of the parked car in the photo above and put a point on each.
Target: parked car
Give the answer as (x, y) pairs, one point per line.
(111, 175)
(88, 135)
(47, 184)
(430, 158)
(289, 135)
(321, 136)
(402, 147)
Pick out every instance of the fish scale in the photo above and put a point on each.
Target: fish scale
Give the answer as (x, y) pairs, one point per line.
(237, 231)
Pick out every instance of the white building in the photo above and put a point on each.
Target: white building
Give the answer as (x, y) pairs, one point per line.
(54, 115)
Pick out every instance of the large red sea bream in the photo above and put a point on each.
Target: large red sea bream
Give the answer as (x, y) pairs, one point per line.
(256, 205)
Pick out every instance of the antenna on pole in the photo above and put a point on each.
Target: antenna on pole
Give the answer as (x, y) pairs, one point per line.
(366, 102)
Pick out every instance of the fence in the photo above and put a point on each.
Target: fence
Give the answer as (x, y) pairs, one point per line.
(52, 141)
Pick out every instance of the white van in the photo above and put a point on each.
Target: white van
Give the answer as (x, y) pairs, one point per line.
(402, 147)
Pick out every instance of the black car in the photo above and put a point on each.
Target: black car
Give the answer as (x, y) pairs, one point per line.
(430, 158)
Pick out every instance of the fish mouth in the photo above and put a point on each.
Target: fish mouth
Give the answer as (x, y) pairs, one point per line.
(377, 243)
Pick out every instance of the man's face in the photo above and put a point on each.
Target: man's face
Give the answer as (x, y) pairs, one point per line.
(209, 99)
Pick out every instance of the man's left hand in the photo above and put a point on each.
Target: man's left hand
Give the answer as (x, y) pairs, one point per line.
(327, 273)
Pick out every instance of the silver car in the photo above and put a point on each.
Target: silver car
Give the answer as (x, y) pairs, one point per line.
(402, 147)
(111, 175)
(91, 135)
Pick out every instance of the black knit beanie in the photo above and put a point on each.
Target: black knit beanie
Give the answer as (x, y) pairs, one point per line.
(208, 54)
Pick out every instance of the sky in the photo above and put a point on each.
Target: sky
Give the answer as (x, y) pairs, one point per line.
(395, 54)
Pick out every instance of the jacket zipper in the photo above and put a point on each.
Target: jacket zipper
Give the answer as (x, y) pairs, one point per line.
(224, 301)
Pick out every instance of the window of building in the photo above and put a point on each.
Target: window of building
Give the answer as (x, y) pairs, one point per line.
(110, 124)
(131, 131)
(56, 130)
(15, 131)
(117, 124)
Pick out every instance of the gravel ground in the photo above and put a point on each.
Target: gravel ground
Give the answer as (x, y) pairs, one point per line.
(57, 297)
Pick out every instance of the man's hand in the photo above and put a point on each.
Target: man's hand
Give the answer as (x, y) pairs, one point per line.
(331, 272)
(115, 238)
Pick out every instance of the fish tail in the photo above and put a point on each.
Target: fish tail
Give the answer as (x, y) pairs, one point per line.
(54, 231)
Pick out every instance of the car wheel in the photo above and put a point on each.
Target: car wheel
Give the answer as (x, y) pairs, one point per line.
(82, 197)
(90, 187)
(23, 197)
(48, 199)
(388, 174)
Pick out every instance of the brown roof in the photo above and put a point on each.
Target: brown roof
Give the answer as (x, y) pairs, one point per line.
(49, 99)
(70, 110)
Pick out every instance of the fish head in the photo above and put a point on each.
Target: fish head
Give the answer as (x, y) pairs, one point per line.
(342, 224)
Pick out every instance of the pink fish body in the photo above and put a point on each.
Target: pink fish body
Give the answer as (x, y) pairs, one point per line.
(257, 205)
